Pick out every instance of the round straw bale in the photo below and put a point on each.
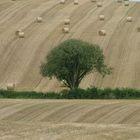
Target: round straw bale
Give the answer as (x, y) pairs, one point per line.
(129, 19)
(17, 32)
(67, 21)
(99, 4)
(62, 1)
(66, 30)
(21, 34)
(39, 19)
(101, 17)
(76, 2)
(126, 3)
(102, 32)
(10, 86)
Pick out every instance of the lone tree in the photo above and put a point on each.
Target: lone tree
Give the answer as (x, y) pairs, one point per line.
(72, 60)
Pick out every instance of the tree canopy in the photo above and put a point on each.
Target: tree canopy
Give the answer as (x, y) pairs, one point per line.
(71, 60)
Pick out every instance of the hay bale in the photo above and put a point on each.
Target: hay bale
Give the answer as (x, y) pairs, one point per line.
(62, 1)
(67, 21)
(21, 34)
(39, 19)
(17, 32)
(129, 19)
(138, 29)
(76, 2)
(11, 86)
(101, 17)
(126, 3)
(102, 32)
(99, 4)
(66, 30)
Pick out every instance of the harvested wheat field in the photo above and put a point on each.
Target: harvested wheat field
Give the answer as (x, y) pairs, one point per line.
(29, 29)
(67, 120)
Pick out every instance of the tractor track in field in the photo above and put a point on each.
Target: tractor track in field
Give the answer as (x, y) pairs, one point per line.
(69, 119)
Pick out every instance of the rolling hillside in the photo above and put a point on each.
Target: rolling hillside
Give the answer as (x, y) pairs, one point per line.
(75, 119)
(20, 58)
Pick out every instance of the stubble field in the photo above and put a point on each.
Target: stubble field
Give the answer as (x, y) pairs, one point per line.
(69, 119)
(20, 58)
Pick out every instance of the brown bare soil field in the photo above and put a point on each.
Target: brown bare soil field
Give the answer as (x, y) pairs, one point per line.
(20, 58)
(69, 119)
